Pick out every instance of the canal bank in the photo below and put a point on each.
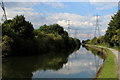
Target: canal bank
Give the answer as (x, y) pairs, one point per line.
(109, 69)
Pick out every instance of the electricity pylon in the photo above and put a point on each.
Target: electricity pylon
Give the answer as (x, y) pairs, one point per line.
(97, 29)
(4, 17)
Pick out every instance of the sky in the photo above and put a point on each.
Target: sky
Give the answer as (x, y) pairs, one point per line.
(82, 15)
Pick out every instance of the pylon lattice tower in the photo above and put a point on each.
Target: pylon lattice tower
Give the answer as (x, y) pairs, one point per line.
(4, 17)
(97, 29)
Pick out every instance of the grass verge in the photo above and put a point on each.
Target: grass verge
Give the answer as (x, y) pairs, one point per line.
(110, 68)
(106, 45)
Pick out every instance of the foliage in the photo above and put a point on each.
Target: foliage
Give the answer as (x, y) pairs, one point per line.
(55, 38)
(85, 41)
(112, 35)
(101, 40)
(18, 26)
(6, 43)
(55, 29)
(20, 38)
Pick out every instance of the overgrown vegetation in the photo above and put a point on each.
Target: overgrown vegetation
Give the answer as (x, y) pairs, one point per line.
(112, 35)
(20, 38)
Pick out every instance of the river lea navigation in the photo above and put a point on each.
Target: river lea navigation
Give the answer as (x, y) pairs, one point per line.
(82, 63)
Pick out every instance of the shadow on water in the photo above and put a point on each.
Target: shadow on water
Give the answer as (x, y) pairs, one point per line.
(23, 67)
(95, 52)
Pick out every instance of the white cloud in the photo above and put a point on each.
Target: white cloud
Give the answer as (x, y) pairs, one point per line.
(62, 23)
(103, 30)
(75, 20)
(65, 16)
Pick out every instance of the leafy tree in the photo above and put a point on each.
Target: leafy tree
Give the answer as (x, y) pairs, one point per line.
(86, 41)
(22, 27)
(21, 33)
(55, 28)
(100, 40)
(6, 45)
(18, 26)
(112, 33)
(20, 38)
(94, 40)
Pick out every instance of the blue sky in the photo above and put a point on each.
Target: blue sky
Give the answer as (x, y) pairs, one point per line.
(81, 15)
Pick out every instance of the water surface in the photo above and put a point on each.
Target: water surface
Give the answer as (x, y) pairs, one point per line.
(83, 63)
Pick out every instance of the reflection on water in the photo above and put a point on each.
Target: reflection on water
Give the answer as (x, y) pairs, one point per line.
(77, 64)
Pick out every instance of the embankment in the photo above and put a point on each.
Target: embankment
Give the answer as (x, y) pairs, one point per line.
(109, 67)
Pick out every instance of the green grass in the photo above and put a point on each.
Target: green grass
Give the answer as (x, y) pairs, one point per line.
(110, 65)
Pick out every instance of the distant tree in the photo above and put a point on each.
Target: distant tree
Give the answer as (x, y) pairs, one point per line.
(94, 40)
(86, 41)
(100, 40)
(55, 28)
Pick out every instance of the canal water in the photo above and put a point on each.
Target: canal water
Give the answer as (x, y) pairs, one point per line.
(82, 63)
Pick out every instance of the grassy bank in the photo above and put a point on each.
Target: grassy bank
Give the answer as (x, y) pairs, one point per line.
(110, 68)
(106, 45)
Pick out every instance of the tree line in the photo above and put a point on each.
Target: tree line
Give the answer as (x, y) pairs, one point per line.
(20, 38)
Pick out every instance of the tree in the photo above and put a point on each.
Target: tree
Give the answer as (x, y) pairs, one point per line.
(94, 40)
(6, 45)
(100, 40)
(22, 27)
(112, 33)
(55, 28)
(20, 32)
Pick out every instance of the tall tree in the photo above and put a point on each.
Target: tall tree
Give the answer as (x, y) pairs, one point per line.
(112, 33)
